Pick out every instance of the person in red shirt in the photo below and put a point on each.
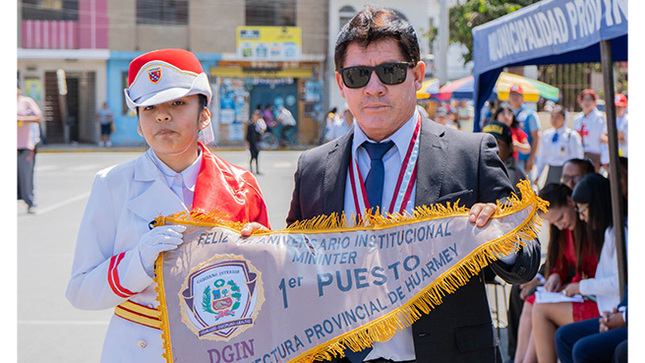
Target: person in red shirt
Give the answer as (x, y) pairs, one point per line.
(504, 114)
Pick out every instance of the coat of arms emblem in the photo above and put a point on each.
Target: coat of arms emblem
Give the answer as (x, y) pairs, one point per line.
(222, 297)
(154, 74)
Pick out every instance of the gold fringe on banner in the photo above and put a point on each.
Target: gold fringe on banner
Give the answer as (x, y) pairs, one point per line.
(385, 327)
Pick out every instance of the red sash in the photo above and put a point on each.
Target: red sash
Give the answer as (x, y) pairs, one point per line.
(229, 189)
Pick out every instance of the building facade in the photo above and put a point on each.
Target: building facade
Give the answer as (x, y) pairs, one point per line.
(74, 54)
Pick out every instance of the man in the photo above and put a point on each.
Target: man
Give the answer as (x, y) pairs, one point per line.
(378, 73)
(105, 118)
(28, 113)
(559, 144)
(529, 122)
(573, 170)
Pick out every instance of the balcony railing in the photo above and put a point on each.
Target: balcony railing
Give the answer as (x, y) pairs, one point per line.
(49, 34)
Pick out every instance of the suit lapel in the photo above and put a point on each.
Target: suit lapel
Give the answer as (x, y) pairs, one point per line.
(336, 168)
(154, 197)
(431, 163)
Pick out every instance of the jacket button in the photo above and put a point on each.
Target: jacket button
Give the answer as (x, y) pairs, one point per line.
(142, 343)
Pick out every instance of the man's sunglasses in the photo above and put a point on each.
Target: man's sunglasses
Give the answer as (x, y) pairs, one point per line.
(389, 74)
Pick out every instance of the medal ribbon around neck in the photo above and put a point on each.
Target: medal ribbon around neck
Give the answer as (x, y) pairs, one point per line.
(405, 182)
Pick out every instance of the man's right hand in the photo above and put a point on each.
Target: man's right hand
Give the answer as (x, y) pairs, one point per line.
(528, 287)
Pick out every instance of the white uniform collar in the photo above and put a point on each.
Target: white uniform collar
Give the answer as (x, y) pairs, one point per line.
(189, 175)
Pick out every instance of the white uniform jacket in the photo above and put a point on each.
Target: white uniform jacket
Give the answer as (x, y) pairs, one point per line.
(107, 269)
(556, 150)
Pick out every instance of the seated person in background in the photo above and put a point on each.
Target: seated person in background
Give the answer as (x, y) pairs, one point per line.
(594, 340)
(568, 247)
(593, 202)
(573, 170)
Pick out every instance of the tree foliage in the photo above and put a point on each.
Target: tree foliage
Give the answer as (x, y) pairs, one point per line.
(467, 15)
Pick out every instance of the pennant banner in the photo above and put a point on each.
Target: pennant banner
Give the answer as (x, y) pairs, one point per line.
(318, 287)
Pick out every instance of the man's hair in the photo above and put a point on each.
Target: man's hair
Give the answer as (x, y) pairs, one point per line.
(585, 164)
(374, 24)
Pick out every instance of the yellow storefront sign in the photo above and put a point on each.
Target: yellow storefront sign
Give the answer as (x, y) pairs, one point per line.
(269, 42)
(237, 71)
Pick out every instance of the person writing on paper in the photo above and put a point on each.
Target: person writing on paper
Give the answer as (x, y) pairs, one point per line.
(378, 71)
(570, 258)
(116, 249)
(593, 203)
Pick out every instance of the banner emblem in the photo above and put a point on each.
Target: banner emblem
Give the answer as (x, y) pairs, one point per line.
(154, 74)
(221, 298)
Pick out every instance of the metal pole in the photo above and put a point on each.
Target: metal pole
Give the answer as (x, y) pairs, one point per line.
(614, 163)
(441, 54)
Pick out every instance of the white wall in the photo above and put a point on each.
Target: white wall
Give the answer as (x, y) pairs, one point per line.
(455, 64)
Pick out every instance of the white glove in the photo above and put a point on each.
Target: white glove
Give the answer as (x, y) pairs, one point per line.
(157, 240)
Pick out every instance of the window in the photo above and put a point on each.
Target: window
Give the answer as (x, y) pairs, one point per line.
(345, 14)
(49, 10)
(124, 84)
(162, 12)
(271, 12)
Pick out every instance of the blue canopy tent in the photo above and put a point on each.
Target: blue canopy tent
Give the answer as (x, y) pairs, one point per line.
(557, 32)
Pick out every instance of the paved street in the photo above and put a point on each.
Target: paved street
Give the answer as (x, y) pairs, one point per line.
(48, 326)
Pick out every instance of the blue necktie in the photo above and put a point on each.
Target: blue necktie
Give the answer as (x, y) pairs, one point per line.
(374, 180)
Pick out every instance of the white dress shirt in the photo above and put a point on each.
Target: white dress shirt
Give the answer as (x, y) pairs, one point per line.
(401, 346)
(182, 184)
(556, 151)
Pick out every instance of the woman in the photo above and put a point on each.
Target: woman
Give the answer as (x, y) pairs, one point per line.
(254, 131)
(504, 114)
(569, 254)
(593, 203)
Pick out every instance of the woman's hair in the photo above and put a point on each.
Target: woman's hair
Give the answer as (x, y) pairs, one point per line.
(503, 107)
(559, 109)
(594, 190)
(558, 196)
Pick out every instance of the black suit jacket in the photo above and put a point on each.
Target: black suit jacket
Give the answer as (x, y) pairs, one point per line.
(452, 165)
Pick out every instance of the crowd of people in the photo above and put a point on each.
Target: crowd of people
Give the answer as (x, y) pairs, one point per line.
(581, 257)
